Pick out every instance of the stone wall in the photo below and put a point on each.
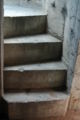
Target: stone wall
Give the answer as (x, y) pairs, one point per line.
(75, 92)
(56, 18)
(64, 23)
(71, 37)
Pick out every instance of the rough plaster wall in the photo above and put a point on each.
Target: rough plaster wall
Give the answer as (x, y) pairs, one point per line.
(64, 23)
(71, 37)
(56, 17)
(75, 91)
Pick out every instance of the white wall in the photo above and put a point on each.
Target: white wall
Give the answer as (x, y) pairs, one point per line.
(56, 18)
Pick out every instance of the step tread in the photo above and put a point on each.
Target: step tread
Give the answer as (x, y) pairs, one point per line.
(18, 11)
(40, 66)
(44, 38)
(35, 96)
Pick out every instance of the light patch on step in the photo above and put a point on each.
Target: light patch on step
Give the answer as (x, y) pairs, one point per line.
(35, 96)
(32, 4)
(42, 66)
(10, 11)
(45, 38)
(23, 2)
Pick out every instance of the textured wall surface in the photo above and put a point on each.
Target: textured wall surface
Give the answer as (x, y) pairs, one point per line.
(56, 17)
(71, 37)
(64, 23)
(75, 92)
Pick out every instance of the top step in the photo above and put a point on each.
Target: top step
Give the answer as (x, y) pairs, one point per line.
(29, 10)
(31, 3)
(20, 20)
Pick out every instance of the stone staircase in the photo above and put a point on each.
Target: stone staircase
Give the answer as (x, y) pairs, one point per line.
(34, 73)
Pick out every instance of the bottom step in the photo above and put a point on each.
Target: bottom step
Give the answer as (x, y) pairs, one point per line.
(36, 105)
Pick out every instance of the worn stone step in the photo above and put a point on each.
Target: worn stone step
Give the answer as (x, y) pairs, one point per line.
(36, 3)
(20, 21)
(36, 76)
(32, 49)
(36, 105)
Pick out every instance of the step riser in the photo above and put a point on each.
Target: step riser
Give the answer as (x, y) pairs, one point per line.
(37, 110)
(18, 26)
(34, 80)
(17, 54)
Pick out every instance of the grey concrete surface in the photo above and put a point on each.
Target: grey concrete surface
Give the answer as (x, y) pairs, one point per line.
(32, 49)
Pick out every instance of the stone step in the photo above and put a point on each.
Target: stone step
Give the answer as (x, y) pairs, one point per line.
(36, 76)
(28, 3)
(36, 105)
(32, 49)
(20, 21)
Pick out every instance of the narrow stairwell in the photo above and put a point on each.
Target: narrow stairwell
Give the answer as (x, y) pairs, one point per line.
(34, 73)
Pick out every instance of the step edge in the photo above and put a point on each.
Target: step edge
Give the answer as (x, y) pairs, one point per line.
(37, 67)
(7, 96)
(21, 16)
(19, 40)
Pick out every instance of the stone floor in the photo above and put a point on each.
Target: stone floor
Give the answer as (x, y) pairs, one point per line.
(71, 115)
(75, 92)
